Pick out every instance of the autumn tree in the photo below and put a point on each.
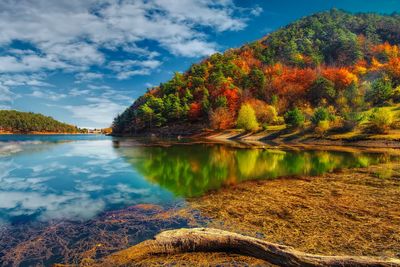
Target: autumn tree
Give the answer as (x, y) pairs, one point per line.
(265, 114)
(221, 119)
(247, 118)
(195, 111)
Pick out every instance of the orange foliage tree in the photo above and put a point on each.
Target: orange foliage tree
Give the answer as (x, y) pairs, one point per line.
(341, 77)
(291, 83)
(221, 119)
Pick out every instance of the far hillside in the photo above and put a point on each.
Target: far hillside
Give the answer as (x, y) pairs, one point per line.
(332, 71)
(12, 121)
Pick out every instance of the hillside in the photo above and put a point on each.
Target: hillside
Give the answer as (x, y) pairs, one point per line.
(12, 121)
(323, 70)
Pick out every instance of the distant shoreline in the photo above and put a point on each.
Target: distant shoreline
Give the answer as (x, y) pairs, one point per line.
(43, 133)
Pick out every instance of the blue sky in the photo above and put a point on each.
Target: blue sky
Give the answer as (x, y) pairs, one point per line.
(83, 62)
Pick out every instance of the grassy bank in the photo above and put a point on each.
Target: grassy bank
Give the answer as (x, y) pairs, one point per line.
(360, 135)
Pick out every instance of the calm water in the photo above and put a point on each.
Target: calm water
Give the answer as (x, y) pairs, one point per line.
(77, 177)
(60, 196)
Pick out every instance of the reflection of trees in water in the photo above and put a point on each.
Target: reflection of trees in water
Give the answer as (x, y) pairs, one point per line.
(192, 170)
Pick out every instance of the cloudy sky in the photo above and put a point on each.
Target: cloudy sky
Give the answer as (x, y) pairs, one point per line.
(83, 62)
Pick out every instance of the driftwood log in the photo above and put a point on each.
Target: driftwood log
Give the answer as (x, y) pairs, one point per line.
(212, 240)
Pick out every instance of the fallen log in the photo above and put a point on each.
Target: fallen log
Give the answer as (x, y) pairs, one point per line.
(215, 240)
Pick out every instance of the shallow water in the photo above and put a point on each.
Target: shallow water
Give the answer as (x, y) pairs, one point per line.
(45, 180)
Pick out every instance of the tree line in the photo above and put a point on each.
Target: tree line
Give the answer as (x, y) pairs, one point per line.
(25, 122)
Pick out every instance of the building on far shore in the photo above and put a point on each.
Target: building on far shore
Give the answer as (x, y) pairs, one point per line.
(94, 131)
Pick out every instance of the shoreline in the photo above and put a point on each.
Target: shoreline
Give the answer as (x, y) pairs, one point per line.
(273, 138)
(44, 133)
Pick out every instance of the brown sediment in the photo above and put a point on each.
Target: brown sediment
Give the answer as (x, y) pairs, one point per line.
(354, 212)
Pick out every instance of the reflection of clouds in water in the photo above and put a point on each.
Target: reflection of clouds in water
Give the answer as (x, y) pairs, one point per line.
(9, 148)
(99, 149)
(86, 186)
(48, 167)
(124, 195)
(75, 180)
(20, 183)
(78, 170)
(6, 167)
(69, 205)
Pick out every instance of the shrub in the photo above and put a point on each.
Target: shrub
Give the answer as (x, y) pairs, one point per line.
(381, 120)
(322, 127)
(279, 120)
(396, 94)
(351, 120)
(381, 91)
(320, 114)
(247, 118)
(265, 113)
(294, 118)
(221, 119)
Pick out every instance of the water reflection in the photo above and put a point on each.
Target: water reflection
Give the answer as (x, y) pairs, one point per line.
(193, 170)
(62, 179)
(78, 177)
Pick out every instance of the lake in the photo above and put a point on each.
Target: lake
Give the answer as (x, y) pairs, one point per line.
(81, 182)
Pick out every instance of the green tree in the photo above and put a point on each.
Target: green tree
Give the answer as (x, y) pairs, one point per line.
(256, 81)
(247, 118)
(221, 102)
(322, 88)
(381, 91)
(320, 114)
(294, 118)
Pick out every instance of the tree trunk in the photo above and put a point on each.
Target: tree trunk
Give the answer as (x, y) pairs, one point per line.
(212, 240)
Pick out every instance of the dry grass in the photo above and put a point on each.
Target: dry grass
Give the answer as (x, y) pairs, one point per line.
(191, 259)
(349, 213)
(355, 212)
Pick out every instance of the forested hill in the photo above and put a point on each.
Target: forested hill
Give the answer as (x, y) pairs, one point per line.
(27, 122)
(334, 62)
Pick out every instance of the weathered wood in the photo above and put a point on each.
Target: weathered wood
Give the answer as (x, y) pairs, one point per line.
(211, 240)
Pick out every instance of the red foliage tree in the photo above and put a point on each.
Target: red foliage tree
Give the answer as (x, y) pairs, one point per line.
(194, 111)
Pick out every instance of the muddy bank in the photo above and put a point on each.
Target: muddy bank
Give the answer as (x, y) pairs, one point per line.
(303, 137)
(272, 137)
(354, 212)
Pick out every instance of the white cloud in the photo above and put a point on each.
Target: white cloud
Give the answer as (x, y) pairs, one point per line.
(128, 68)
(71, 35)
(30, 63)
(88, 76)
(22, 79)
(45, 94)
(191, 47)
(78, 92)
(99, 111)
